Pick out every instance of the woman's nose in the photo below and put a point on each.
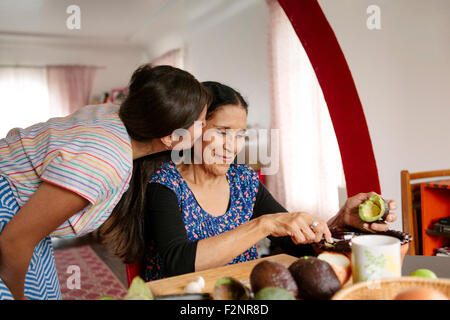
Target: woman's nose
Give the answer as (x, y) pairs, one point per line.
(230, 143)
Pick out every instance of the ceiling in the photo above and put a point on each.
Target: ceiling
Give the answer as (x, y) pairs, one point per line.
(132, 22)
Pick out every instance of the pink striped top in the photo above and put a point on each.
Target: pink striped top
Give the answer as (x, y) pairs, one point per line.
(88, 152)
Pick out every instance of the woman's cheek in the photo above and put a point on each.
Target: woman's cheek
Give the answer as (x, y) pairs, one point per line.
(209, 152)
(197, 131)
(240, 143)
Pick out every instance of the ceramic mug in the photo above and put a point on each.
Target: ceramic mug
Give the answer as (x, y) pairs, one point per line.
(375, 257)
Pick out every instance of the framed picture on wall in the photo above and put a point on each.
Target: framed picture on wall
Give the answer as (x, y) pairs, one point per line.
(118, 95)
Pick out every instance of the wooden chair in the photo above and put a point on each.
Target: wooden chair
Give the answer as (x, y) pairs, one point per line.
(411, 204)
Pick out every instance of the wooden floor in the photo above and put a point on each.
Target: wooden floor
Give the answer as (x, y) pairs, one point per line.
(103, 251)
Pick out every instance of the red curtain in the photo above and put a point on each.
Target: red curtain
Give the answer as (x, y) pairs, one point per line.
(336, 81)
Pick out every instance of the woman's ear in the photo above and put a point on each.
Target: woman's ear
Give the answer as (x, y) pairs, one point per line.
(167, 142)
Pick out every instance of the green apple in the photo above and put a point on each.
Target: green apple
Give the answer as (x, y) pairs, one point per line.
(425, 273)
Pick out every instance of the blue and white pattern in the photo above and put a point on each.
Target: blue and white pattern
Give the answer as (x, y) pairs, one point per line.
(41, 281)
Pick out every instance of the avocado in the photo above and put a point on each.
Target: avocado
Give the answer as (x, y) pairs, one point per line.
(273, 293)
(272, 274)
(374, 209)
(229, 288)
(316, 279)
(138, 290)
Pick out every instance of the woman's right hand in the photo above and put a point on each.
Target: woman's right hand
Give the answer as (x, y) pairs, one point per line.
(298, 225)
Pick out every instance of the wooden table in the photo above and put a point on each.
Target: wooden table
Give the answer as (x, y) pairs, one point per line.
(240, 271)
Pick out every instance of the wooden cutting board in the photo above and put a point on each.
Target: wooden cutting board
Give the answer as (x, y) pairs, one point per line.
(240, 271)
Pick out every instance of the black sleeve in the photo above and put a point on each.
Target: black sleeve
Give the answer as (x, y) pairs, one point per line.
(266, 204)
(164, 224)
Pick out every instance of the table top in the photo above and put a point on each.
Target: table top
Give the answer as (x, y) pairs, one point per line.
(240, 271)
(439, 184)
(439, 265)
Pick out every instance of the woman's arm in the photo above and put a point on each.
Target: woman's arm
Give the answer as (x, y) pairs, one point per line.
(47, 209)
(165, 224)
(265, 204)
(223, 248)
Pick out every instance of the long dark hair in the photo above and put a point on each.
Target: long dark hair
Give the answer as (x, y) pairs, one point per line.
(223, 95)
(160, 100)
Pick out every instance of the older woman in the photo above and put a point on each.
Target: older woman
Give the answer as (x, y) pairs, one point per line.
(213, 212)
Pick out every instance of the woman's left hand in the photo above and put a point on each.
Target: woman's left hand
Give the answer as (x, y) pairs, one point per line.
(349, 216)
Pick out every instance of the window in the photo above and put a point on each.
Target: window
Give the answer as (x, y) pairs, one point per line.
(310, 167)
(24, 97)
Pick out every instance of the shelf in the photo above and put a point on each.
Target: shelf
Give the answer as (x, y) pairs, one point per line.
(437, 233)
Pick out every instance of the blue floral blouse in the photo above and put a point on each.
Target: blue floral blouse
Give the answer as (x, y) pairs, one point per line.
(198, 223)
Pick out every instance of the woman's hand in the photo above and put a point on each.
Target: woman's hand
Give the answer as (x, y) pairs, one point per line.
(300, 226)
(348, 216)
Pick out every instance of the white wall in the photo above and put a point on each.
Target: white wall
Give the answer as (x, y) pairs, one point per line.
(402, 74)
(229, 46)
(120, 61)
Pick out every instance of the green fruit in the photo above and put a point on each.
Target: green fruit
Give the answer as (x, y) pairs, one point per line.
(274, 293)
(107, 298)
(373, 209)
(425, 273)
(139, 290)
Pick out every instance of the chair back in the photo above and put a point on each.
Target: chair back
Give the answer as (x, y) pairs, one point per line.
(411, 204)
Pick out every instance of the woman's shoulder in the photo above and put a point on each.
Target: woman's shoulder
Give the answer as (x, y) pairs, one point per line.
(167, 175)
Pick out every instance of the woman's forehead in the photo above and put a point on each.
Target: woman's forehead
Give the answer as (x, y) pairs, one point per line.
(228, 117)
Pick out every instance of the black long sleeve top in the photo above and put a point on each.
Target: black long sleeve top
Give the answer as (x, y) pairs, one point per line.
(164, 227)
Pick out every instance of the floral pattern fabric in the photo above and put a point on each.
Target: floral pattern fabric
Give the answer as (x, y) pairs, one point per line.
(199, 224)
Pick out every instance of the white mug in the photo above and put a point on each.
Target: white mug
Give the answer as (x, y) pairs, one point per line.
(375, 257)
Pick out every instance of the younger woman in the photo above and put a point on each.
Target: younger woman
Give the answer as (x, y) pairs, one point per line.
(64, 177)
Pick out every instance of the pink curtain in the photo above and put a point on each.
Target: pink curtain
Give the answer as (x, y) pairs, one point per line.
(69, 88)
(310, 169)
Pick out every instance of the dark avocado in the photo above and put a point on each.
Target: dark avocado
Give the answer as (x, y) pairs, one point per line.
(316, 279)
(229, 288)
(272, 274)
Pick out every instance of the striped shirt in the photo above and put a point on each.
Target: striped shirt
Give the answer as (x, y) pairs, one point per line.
(88, 152)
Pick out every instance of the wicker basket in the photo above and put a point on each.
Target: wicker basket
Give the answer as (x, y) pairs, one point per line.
(387, 289)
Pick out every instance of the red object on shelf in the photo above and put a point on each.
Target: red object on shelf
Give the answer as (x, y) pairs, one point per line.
(435, 197)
